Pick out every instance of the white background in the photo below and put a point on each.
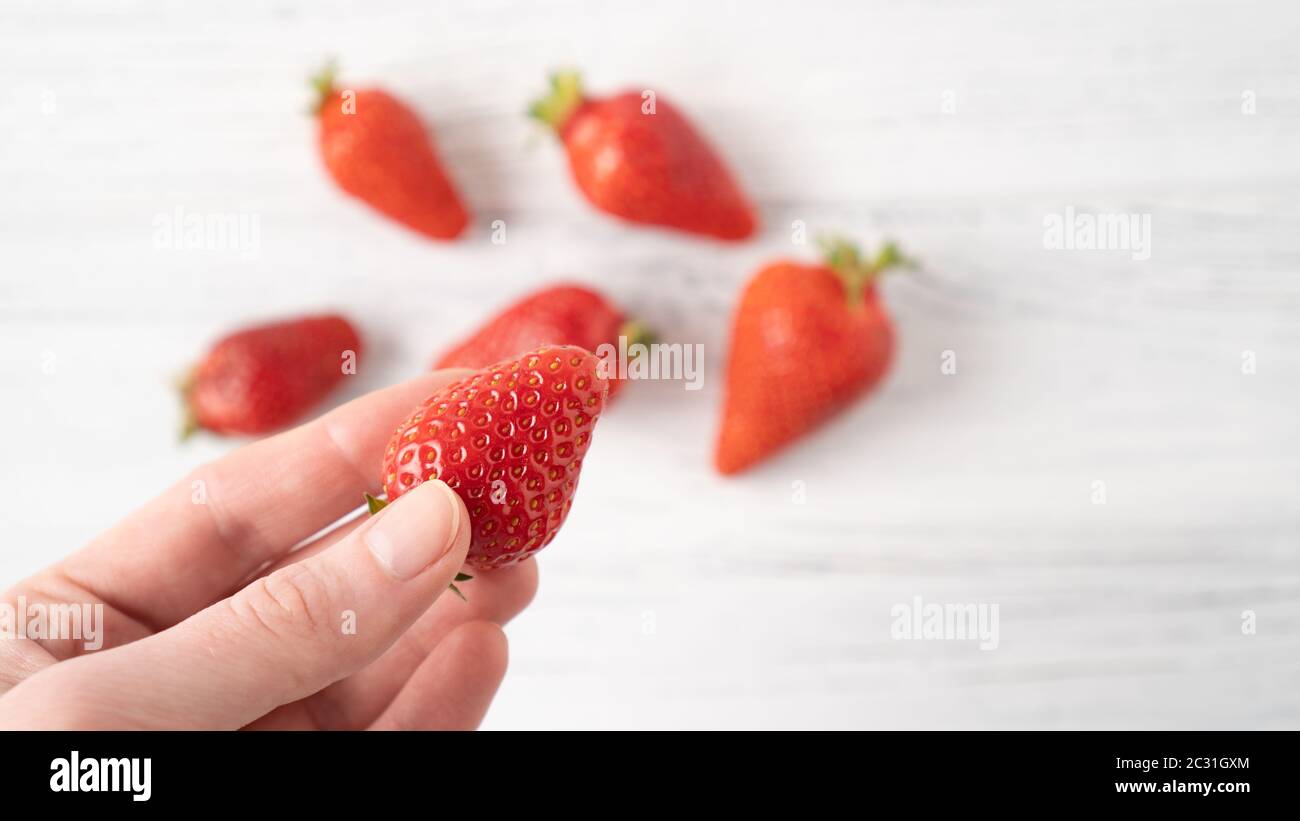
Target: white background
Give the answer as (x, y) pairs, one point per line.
(676, 598)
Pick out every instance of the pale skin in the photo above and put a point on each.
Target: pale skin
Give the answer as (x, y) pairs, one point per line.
(212, 620)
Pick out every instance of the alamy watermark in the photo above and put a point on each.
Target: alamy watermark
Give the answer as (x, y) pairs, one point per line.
(180, 230)
(126, 775)
(1075, 231)
(948, 621)
(654, 360)
(82, 622)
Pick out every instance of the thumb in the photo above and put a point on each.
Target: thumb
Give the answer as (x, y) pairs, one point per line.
(286, 636)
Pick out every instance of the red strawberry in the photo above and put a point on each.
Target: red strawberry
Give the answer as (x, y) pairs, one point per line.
(645, 167)
(378, 150)
(556, 315)
(807, 340)
(263, 378)
(510, 440)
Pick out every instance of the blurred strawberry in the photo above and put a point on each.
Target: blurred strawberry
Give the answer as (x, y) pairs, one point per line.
(643, 161)
(265, 377)
(564, 314)
(807, 341)
(378, 150)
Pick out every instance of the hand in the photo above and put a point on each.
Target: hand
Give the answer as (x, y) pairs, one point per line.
(210, 621)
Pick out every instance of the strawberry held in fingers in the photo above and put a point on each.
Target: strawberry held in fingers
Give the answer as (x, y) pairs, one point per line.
(807, 341)
(377, 150)
(564, 314)
(263, 378)
(510, 440)
(639, 158)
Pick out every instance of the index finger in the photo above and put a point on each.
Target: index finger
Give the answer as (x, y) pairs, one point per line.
(203, 535)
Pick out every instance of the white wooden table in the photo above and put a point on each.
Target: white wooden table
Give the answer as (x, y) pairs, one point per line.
(676, 598)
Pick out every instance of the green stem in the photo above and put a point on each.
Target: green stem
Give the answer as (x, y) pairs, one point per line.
(846, 260)
(189, 425)
(322, 82)
(189, 420)
(637, 332)
(564, 97)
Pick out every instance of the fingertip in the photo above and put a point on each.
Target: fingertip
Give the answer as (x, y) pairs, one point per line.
(425, 527)
(482, 647)
(453, 688)
(515, 586)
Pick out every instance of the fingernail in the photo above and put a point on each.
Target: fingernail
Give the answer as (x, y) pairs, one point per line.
(416, 530)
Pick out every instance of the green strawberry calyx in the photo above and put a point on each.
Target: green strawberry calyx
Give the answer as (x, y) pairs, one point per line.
(375, 504)
(189, 419)
(322, 84)
(564, 97)
(637, 333)
(844, 258)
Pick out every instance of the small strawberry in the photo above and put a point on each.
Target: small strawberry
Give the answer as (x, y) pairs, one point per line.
(378, 150)
(510, 441)
(556, 315)
(263, 378)
(644, 164)
(806, 341)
